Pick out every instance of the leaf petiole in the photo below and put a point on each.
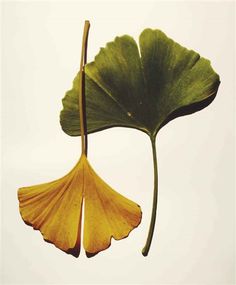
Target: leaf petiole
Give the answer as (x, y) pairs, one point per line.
(155, 199)
(82, 111)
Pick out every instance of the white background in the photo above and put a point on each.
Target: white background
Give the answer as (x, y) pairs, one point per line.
(194, 236)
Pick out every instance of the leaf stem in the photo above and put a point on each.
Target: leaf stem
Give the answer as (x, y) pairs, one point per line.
(82, 110)
(155, 199)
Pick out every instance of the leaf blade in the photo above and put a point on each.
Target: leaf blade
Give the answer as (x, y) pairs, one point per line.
(142, 91)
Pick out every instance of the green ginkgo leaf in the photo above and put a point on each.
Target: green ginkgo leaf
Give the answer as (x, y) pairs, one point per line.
(143, 88)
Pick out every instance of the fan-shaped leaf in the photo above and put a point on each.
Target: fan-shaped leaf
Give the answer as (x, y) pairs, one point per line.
(142, 90)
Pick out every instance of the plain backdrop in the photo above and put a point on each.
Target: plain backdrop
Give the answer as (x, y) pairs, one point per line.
(194, 240)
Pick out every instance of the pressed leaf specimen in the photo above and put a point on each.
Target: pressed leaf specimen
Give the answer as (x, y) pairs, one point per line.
(141, 87)
(55, 208)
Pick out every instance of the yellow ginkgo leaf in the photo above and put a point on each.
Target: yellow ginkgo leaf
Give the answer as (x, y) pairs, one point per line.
(55, 208)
